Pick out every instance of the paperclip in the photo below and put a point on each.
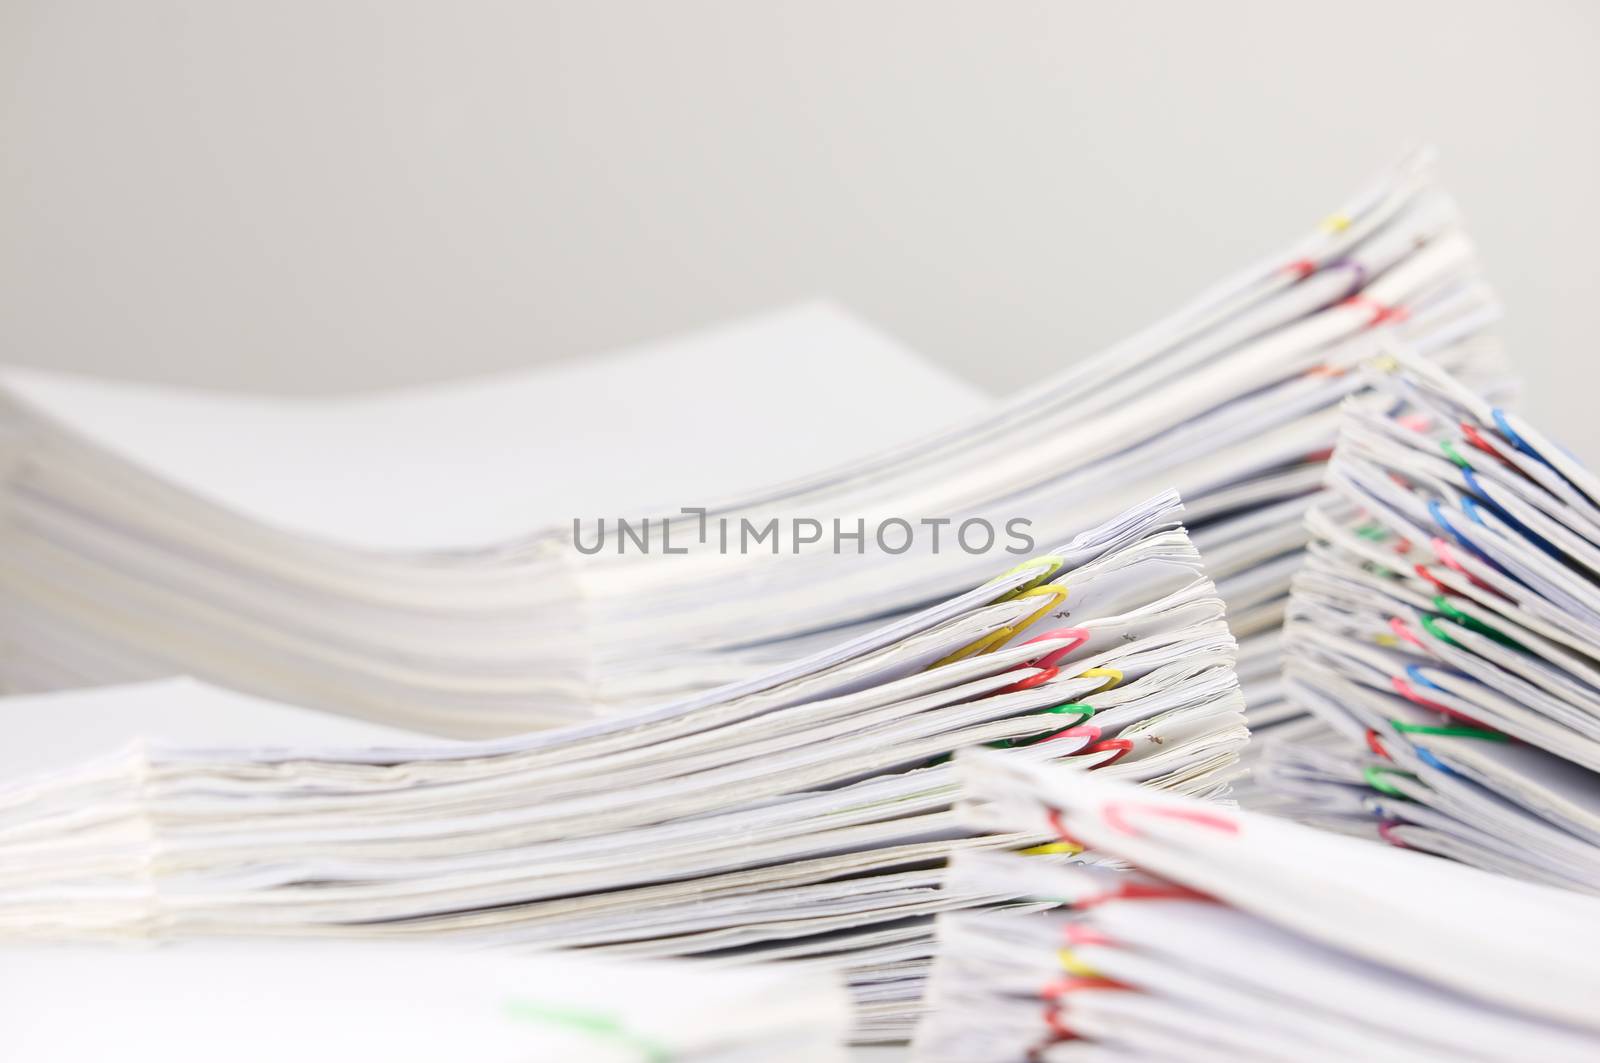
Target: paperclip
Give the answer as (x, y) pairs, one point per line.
(1381, 312)
(1430, 623)
(1115, 814)
(1385, 830)
(1434, 762)
(1471, 623)
(1454, 455)
(1335, 223)
(1403, 688)
(1051, 659)
(1079, 934)
(1073, 965)
(1063, 986)
(1053, 817)
(1112, 676)
(1037, 679)
(1504, 428)
(1078, 730)
(1422, 571)
(1452, 732)
(1374, 773)
(995, 639)
(1398, 626)
(1476, 439)
(1082, 711)
(1055, 563)
(1301, 267)
(1053, 849)
(1123, 746)
(1374, 745)
(1414, 673)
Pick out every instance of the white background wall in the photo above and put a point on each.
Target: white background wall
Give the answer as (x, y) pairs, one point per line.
(323, 194)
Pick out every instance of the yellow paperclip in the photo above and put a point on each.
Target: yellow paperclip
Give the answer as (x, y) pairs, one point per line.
(995, 639)
(1112, 676)
(1072, 965)
(1054, 849)
(1386, 640)
(1335, 223)
(1032, 562)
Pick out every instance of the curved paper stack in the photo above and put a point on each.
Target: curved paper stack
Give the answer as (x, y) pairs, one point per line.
(113, 570)
(803, 815)
(1447, 627)
(1244, 937)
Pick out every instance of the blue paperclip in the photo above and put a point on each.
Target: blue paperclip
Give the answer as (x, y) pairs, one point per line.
(1433, 761)
(1470, 506)
(1414, 673)
(1510, 433)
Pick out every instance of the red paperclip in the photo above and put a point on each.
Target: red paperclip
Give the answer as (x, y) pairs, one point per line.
(1375, 746)
(1404, 689)
(1447, 557)
(1422, 570)
(1124, 746)
(1140, 891)
(1380, 312)
(1477, 440)
(1115, 815)
(1301, 268)
(1053, 817)
(1385, 831)
(1077, 983)
(1032, 681)
(1049, 660)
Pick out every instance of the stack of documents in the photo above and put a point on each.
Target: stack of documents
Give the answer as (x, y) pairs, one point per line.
(1447, 629)
(800, 815)
(400, 1004)
(416, 560)
(1236, 936)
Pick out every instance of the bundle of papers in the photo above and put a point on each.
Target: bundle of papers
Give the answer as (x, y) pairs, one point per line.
(398, 558)
(1235, 936)
(801, 815)
(400, 1004)
(1447, 630)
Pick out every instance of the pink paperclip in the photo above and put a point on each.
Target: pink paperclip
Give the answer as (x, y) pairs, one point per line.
(1447, 556)
(1398, 626)
(1404, 689)
(1417, 422)
(1051, 659)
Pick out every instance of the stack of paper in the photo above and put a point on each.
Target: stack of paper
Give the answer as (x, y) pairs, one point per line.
(401, 1004)
(413, 560)
(1242, 937)
(1447, 628)
(801, 815)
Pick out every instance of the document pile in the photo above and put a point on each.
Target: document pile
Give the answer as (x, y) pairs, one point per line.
(395, 558)
(270, 1002)
(1236, 936)
(800, 815)
(1447, 627)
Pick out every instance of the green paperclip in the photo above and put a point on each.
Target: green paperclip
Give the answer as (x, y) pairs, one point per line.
(1082, 711)
(1449, 732)
(1444, 605)
(1373, 531)
(1454, 455)
(1430, 623)
(1373, 773)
